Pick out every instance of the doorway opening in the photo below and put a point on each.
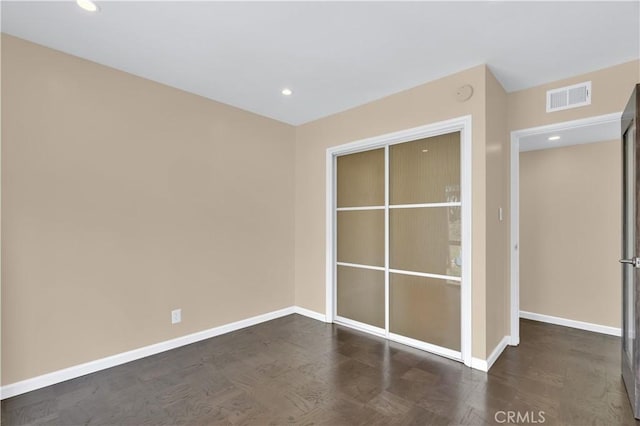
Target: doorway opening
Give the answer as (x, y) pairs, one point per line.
(533, 141)
(379, 272)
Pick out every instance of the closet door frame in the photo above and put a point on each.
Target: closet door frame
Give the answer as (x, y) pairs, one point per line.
(461, 124)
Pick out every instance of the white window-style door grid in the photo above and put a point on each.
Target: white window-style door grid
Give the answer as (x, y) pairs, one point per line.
(462, 125)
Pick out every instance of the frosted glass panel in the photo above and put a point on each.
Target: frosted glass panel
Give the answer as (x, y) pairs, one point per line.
(361, 237)
(361, 295)
(421, 239)
(425, 240)
(425, 171)
(361, 179)
(425, 309)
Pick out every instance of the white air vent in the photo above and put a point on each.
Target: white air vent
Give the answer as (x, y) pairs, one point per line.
(569, 97)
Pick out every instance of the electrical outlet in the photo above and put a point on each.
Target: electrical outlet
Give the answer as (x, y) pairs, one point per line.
(176, 316)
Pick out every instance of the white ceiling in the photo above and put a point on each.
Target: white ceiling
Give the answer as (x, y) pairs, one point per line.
(589, 133)
(334, 55)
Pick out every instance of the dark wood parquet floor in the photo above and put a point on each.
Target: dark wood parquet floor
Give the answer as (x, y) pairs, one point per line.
(295, 370)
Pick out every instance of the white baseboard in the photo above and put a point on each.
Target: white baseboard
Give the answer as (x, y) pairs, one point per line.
(597, 328)
(309, 313)
(28, 385)
(54, 377)
(479, 364)
(485, 365)
(497, 351)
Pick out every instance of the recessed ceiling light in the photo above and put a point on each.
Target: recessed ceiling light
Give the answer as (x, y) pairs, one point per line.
(87, 5)
(554, 138)
(287, 92)
(425, 150)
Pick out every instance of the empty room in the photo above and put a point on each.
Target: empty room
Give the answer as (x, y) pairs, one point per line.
(320, 213)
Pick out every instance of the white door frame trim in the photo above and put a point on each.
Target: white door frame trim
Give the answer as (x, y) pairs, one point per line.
(464, 126)
(516, 135)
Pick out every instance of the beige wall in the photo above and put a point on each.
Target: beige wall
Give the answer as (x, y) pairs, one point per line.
(497, 242)
(123, 199)
(431, 102)
(611, 88)
(570, 222)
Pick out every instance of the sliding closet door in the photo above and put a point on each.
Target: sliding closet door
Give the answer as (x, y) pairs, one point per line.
(360, 270)
(425, 241)
(399, 249)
